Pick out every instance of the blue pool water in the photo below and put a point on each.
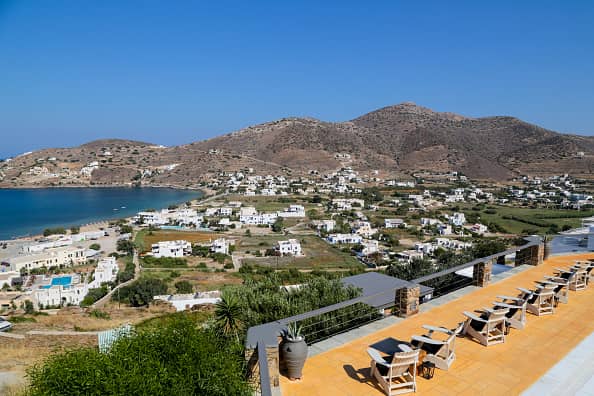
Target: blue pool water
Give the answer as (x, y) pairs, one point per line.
(30, 211)
(62, 281)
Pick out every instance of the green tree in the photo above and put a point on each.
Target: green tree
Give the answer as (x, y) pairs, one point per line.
(125, 245)
(95, 246)
(184, 287)
(142, 291)
(29, 309)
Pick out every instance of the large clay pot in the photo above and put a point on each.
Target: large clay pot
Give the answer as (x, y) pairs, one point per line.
(294, 353)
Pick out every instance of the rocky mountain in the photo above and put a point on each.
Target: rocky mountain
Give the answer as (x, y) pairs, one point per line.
(395, 140)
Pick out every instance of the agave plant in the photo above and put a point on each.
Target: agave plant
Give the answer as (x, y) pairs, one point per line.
(293, 332)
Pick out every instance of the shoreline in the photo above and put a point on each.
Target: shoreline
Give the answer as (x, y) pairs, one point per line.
(104, 222)
(37, 187)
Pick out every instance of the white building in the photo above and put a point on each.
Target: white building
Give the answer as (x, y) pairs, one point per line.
(151, 218)
(259, 219)
(425, 221)
(59, 293)
(65, 240)
(171, 248)
(394, 223)
(458, 219)
(53, 257)
(479, 228)
(347, 203)
(225, 211)
(344, 238)
(106, 271)
(369, 247)
(220, 245)
(293, 211)
(326, 225)
(292, 247)
(182, 302)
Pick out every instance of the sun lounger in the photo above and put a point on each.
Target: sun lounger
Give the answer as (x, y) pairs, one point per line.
(540, 301)
(516, 315)
(439, 352)
(488, 328)
(398, 375)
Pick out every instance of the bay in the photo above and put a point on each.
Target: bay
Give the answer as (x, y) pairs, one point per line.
(29, 211)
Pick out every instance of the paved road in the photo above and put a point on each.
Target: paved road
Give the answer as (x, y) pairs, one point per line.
(107, 297)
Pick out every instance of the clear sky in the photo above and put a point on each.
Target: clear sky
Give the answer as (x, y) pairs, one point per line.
(172, 72)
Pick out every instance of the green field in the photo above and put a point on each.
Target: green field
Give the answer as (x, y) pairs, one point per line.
(518, 220)
(318, 254)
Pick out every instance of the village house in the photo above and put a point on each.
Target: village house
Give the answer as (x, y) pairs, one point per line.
(178, 248)
(220, 245)
(52, 257)
(369, 247)
(60, 291)
(291, 247)
(292, 211)
(106, 271)
(457, 219)
(258, 219)
(394, 223)
(344, 238)
(325, 225)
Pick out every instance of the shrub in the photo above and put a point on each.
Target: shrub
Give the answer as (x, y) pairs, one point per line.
(93, 295)
(164, 262)
(142, 291)
(184, 287)
(178, 358)
(95, 246)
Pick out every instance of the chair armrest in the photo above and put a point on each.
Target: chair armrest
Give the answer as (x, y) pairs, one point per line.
(376, 357)
(427, 340)
(472, 316)
(504, 305)
(438, 329)
(510, 298)
(525, 291)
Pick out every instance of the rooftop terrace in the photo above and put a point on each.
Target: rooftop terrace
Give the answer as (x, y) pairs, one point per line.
(504, 369)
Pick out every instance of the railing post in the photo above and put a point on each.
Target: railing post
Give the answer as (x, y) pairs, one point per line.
(481, 274)
(532, 255)
(407, 301)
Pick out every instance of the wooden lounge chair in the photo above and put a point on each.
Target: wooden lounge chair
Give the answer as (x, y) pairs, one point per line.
(587, 266)
(488, 328)
(399, 375)
(439, 352)
(578, 278)
(516, 315)
(540, 301)
(561, 287)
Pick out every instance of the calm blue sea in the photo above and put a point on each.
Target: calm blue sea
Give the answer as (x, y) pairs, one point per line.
(30, 211)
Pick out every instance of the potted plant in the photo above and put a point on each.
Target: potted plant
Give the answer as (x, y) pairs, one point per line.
(294, 351)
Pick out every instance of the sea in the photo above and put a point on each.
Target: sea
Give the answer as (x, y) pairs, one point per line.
(25, 212)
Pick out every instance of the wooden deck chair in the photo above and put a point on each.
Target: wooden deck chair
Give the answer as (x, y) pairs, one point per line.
(398, 376)
(587, 266)
(577, 276)
(540, 301)
(516, 316)
(488, 328)
(439, 352)
(561, 287)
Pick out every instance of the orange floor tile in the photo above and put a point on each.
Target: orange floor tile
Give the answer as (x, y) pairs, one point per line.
(504, 369)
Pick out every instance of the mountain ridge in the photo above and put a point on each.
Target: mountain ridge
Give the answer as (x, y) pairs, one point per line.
(397, 139)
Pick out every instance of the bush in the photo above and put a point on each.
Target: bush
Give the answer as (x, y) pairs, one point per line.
(99, 314)
(54, 231)
(164, 262)
(184, 287)
(142, 291)
(93, 296)
(178, 358)
(95, 246)
(128, 272)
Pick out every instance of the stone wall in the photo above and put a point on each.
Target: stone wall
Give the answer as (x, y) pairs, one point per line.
(253, 368)
(533, 255)
(407, 301)
(481, 275)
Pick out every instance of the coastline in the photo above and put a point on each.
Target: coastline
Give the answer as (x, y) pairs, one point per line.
(103, 222)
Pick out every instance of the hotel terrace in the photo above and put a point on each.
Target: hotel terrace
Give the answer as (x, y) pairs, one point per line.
(551, 355)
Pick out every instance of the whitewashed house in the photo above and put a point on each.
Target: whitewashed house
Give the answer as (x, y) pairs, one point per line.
(292, 211)
(394, 223)
(458, 219)
(61, 256)
(344, 238)
(220, 245)
(326, 225)
(259, 219)
(178, 248)
(106, 271)
(369, 247)
(292, 247)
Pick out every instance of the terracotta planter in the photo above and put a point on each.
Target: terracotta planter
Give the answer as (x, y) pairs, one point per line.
(294, 354)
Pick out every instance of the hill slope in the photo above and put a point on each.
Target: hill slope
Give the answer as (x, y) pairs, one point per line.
(395, 139)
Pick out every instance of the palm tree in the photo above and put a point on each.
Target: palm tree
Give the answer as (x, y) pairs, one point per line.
(228, 316)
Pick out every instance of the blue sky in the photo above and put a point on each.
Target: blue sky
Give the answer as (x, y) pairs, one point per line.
(172, 72)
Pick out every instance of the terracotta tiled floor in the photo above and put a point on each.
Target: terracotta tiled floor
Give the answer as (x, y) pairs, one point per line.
(504, 369)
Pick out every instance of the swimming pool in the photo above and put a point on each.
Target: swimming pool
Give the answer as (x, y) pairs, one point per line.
(62, 281)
